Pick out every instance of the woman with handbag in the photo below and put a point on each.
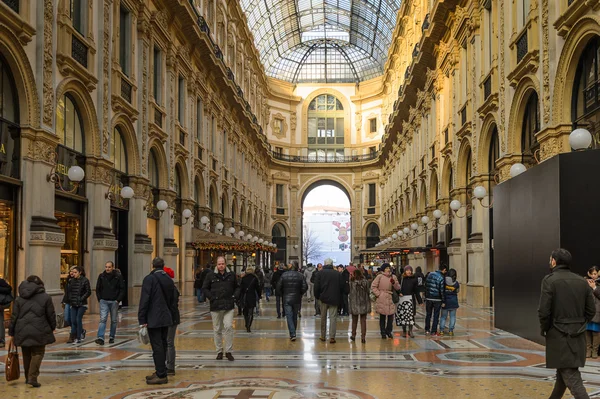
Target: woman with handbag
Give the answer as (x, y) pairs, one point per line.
(31, 325)
(250, 290)
(78, 291)
(359, 303)
(409, 293)
(384, 287)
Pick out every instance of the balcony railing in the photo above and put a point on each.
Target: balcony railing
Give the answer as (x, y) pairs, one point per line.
(158, 117)
(125, 90)
(325, 159)
(12, 4)
(522, 47)
(79, 51)
(425, 25)
(415, 52)
(487, 87)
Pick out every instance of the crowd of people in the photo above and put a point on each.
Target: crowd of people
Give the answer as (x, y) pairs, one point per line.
(569, 310)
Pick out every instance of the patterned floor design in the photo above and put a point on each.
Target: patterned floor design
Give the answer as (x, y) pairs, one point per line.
(478, 362)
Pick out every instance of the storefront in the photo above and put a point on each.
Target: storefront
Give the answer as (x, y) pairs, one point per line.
(70, 211)
(10, 174)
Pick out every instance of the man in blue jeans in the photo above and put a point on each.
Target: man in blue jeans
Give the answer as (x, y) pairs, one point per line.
(291, 287)
(435, 296)
(110, 290)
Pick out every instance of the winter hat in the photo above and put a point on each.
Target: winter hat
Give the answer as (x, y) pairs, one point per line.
(170, 272)
(328, 262)
(383, 267)
(406, 268)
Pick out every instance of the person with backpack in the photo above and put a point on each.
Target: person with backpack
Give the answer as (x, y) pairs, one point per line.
(420, 282)
(6, 298)
(313, 278)
(451, 305)
(435, 297)
(156, 312)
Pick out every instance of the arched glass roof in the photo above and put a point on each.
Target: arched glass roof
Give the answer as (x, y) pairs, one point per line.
(322, 41)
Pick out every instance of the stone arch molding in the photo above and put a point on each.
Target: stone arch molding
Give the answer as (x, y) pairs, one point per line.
(87, 111)
(576, 40)
(29, 101)
(161, 159)
(485, 138)
(461, 169)
(185, 177)
(311, 183)
(129, 136)
(340, 96)
(517, 111)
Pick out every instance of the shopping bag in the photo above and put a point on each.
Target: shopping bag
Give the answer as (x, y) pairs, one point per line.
(11, 368)
(143, 335)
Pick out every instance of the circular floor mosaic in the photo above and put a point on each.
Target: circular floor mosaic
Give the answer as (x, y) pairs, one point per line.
(247, 388)
(481, 357)
(67, 356)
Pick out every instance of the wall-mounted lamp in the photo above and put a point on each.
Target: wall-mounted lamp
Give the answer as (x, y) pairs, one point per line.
(295, 246)
(126, 193)
(205, 222)
(219, 228)
(187, 214)
(580, 139)
(231, 231)
(75, 173)
(356, 246)
(240, 235)
(162, 206)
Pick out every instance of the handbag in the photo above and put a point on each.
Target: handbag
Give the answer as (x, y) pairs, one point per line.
(6, 299)
(11, 367)
(60, 320)
(143, 337)
(395, 295)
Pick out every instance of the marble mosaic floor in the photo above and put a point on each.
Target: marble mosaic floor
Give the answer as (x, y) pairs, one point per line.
(478, 362)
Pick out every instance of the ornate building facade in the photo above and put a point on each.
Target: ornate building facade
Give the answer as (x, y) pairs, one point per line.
(171, 99)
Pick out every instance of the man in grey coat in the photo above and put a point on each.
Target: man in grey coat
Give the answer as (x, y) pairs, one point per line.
(566, 306)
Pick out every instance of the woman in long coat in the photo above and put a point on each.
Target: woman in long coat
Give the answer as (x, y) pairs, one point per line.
(249, 291)
(32, 324)
(382, 287)
(359, 303)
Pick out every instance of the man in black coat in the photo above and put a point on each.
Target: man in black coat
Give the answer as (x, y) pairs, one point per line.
(329, 287)
(6, 298)
(291, 287)
(110, 290)
(221, 289)
(313, 278)
(278, 302)
(566, 306)
(156, 312)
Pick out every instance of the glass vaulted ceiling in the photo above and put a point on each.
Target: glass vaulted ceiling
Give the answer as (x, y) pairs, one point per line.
(322, 41)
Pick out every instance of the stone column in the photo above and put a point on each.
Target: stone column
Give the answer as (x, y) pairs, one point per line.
(42, 237)
(140, 252)
(101, 240)
(477, 287)
(457, 260)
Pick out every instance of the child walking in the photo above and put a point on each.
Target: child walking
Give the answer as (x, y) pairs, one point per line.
(592, 333)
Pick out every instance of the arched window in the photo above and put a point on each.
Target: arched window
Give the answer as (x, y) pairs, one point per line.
(468, 170)
(494, 154)
(531, 125)
(9, 101)
(586, 95)
(118, 154)
(372, 235)
(280, 239)
(197, 194)
(177, 183)
(153, 169)
(325, 128)
(69, 126)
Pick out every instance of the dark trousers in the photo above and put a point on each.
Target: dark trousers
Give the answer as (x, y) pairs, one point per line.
(248, 316)
(158, 341)
(343, 310)
(568, 378)
(383, 319)
(363, 325)
(432, 307)
(317, 307)
(32, 360)
(77, 321)
(291, 313)
(279, 305)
